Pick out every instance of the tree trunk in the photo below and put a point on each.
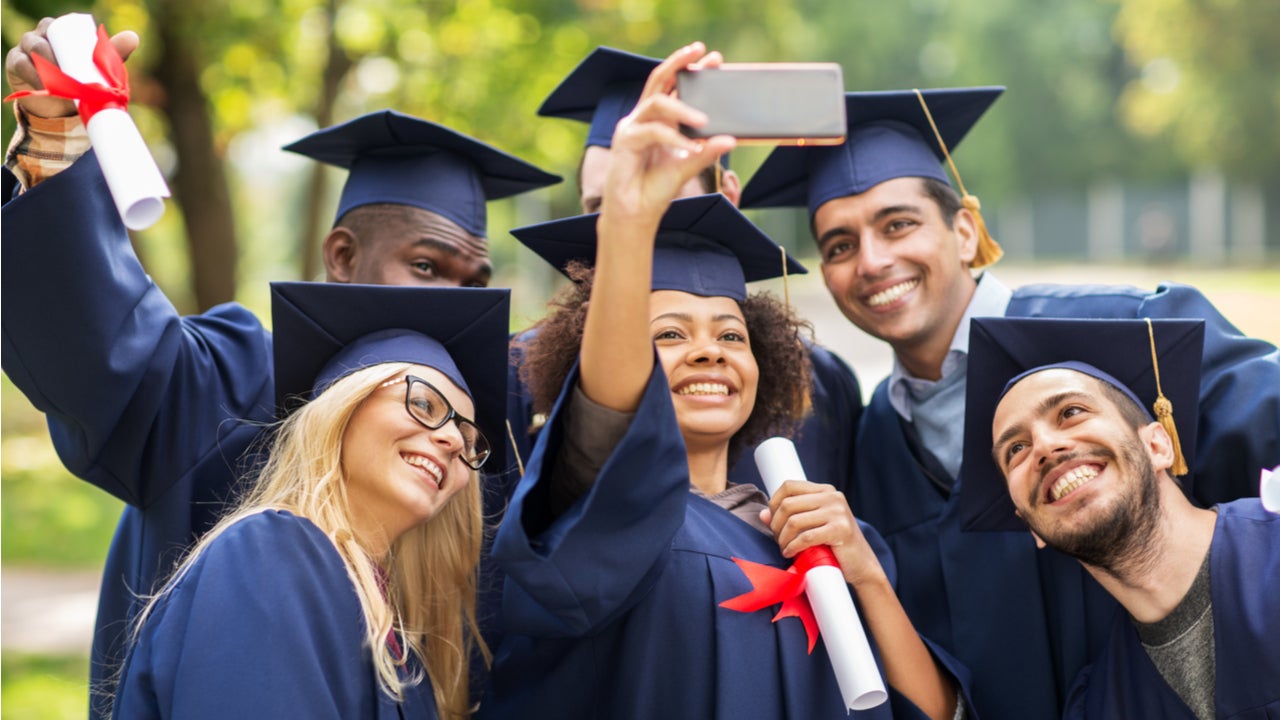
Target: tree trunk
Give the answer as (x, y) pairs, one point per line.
(200, 184)
(316, 213)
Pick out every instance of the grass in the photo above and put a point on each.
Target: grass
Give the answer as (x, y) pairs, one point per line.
(44, 687)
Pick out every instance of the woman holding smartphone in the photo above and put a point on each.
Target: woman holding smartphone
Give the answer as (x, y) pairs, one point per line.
(620, 539)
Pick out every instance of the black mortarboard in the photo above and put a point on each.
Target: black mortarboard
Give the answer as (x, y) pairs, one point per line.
(1118, 352)
(704, 246)
(400, 159)
(889, 137)
(324, 331)
(600, 91)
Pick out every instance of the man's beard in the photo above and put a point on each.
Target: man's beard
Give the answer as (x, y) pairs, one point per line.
(1121, 539)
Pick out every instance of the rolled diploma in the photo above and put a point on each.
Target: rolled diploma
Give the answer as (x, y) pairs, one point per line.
(136, 185)
(1269, 489)
(841, 629)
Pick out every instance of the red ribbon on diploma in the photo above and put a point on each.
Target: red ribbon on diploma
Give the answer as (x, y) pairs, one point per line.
(93, 97)
(770, 586)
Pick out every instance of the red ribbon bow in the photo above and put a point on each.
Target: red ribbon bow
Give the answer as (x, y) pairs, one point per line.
(770, 586)
(93, 97)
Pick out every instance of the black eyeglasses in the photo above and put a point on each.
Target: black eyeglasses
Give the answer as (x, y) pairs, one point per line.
(432, 410)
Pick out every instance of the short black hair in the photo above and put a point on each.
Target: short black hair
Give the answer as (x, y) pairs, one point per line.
(1135, 415)
(945, 197)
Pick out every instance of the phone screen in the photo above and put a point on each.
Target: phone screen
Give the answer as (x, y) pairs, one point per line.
(788, 103)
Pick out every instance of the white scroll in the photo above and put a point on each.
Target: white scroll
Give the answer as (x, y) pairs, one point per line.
(136, 185)
(838, 622)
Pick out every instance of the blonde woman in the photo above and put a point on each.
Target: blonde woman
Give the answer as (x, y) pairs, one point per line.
(342, 584)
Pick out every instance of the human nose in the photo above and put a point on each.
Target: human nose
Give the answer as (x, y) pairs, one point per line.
(706, 351)
(1048, 443)
(874, 256)
(449, 437)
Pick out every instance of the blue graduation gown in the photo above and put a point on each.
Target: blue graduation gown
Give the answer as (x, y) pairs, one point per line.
(611, 609)
(1244, 579)
(266, 624)
(1025, 621)
(141, 402)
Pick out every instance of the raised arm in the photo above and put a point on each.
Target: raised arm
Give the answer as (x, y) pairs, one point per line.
(650, 161)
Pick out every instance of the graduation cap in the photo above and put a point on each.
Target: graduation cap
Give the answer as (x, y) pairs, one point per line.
(892, 134)
(600, 91)
(325, 331)
(1155, 362)
(400, 159)
(704, 246)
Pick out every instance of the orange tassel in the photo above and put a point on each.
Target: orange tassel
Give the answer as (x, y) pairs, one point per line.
(989, 250)
(1164, 410)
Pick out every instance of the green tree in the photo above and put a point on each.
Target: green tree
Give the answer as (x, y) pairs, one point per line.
(1208, 80)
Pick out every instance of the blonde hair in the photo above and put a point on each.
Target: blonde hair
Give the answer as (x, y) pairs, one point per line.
(431, 578)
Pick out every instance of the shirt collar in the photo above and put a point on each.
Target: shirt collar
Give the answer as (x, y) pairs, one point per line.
(990, 299)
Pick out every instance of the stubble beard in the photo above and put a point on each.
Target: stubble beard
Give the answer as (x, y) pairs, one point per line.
(1121, 541)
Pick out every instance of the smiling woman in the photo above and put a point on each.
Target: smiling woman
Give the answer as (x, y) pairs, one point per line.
(343, 582)
(620, 539)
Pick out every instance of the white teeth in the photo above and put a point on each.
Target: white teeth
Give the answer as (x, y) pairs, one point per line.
(704, 388)
(1071, 480)
(427, 464)
(888, 295)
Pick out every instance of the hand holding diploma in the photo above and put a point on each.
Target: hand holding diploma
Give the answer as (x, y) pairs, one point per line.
(813, 524)
(90, 72)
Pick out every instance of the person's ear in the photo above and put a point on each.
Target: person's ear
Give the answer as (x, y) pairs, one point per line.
(731, 186)
(965, 226)
(1159, 446)
(340, 250)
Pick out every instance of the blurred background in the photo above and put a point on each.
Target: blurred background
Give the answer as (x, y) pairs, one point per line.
(1136, 143)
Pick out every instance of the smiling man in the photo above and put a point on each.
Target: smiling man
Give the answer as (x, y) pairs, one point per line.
(157, 408)
(899, 249)
(1090, 471)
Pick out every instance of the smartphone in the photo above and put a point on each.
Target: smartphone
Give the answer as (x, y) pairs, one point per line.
(781, 103)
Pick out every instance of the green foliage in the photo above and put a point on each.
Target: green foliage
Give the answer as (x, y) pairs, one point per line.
(48, 517)
(1206, 80)
(1142, 90)
(42, 687)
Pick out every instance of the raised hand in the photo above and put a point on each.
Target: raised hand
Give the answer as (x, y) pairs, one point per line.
(651, 159)
(20, 71)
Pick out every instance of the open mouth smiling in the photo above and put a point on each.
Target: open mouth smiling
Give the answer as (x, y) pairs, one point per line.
(892, 293)
(426, 464)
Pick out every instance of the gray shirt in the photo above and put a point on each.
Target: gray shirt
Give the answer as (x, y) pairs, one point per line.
(1181, 646)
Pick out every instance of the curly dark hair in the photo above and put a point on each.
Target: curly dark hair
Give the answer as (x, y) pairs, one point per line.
(777, 338)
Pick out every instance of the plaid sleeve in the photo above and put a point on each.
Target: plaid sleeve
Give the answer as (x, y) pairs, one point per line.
(43, 147)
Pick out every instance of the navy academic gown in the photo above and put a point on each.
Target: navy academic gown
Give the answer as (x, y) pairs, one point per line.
(266, 624)
(145, 404)
(611, 609)
(1244, 580)
(1025, 621)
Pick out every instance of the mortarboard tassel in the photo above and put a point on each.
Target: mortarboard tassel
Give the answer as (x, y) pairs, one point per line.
(516, 450)
(989, 250)
(1164, 411)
